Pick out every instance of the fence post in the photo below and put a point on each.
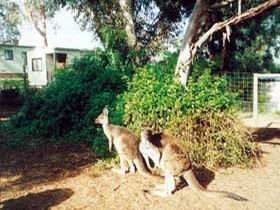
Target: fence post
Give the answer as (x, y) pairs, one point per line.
(255, 98)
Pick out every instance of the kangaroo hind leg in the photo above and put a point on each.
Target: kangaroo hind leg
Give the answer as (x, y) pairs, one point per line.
(168, 188)
(123, 169)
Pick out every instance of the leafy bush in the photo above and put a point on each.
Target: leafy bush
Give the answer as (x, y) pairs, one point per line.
(13, 83)
(12, 91)
(67, 107)
(202, 116)
(214, 138)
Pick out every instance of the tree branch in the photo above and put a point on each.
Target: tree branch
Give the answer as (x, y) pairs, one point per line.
(253, 12)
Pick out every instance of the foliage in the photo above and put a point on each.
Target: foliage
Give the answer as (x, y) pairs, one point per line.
(253, 44)
(16, 83)
(153, 20)
(38, 11)
(214, 138)
(9, 20)
(12, 91)
(67, 107)
(155, 97)
(38, 6)
(203, 116)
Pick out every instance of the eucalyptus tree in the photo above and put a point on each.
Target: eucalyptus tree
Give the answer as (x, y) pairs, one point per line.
(148, 24)
(9, 21)
(211, 17)
(38, 11)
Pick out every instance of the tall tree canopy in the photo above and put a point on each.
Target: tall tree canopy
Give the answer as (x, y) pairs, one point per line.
(146, 23)
(9, 20)
(150, 24)
(219, 17)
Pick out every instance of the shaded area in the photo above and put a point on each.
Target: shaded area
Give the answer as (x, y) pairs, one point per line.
(266, 134)
(203, 175)
(7, 111)
(22, 168)
(38, 201)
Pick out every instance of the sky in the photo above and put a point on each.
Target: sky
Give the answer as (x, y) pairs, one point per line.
(62, 31)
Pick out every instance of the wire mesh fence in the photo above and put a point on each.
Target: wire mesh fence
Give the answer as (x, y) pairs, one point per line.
(241, 83)
(258, 96)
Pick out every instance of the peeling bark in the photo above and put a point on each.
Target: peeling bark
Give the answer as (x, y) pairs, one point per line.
(239, 7)
(221, 4)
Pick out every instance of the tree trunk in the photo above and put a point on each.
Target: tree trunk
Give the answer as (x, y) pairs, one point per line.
(44, 30)
(126, 7)
(38, 22)
(197, 20)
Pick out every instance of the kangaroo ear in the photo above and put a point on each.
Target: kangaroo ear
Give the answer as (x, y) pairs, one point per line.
(105, 110)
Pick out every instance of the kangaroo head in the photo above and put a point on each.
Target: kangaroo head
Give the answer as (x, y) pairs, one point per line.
(103, 117)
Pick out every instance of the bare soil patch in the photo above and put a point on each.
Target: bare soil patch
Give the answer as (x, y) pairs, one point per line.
(66, 177)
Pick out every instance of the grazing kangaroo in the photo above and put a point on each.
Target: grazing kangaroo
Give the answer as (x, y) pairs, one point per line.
(168, 154)
(126, 144)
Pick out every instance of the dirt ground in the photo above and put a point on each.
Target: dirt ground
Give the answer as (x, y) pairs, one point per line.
(67, 177)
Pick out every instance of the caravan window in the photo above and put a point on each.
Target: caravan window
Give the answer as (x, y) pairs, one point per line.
(9, 55)
(37, 64)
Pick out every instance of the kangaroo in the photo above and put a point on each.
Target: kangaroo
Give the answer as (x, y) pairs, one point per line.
(170, 156)
(126, 144)
(148, 153)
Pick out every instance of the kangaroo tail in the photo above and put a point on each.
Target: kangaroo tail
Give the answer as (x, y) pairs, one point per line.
(194, 185)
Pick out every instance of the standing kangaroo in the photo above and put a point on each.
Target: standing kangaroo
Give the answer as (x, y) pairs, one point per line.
(169, 155)
(126, 144)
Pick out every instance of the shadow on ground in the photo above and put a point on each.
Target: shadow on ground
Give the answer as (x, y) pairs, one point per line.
(24, 168)
(203, 175)
(38, 201)
(266, 135)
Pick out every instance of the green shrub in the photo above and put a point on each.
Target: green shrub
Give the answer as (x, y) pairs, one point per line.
(202, 116)
(214, 139)
(66, 108)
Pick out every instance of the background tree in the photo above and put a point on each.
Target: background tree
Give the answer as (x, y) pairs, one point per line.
(254, 46)
(150, 24)
(144, 24)
(38, 11)
(9, 21)
(209, 18)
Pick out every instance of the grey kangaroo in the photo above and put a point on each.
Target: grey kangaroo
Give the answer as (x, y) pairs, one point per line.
(170, 156)
(126, 144)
